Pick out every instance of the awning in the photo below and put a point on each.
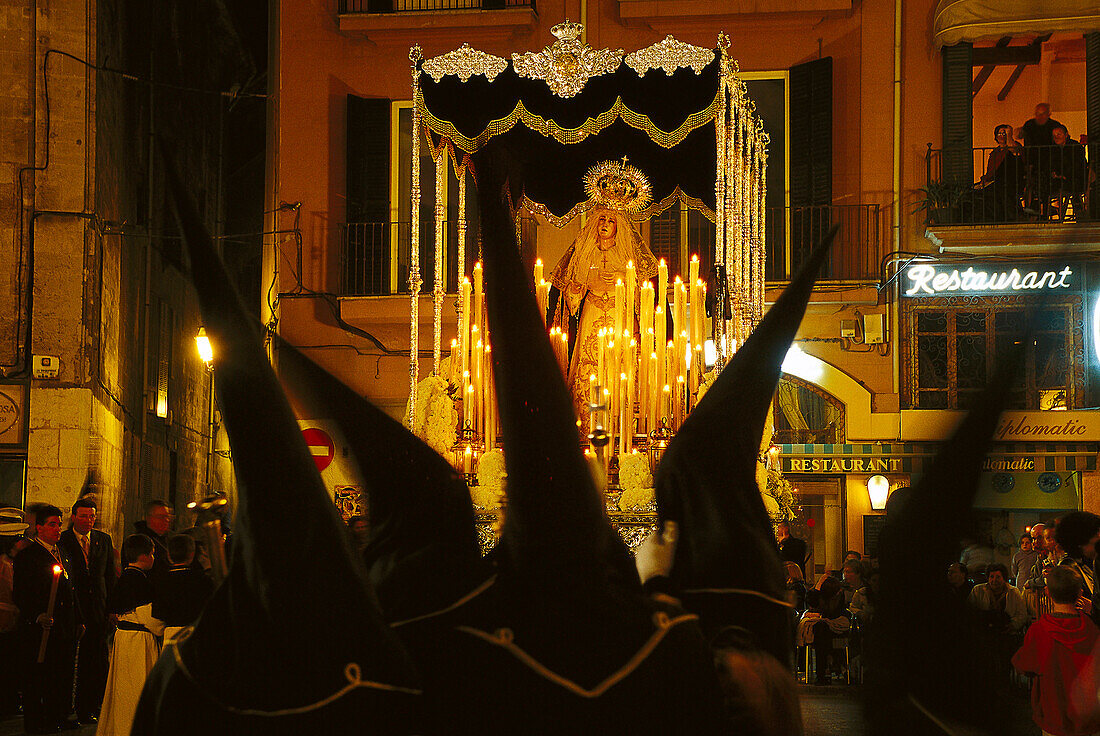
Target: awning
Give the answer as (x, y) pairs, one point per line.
(970, 20)
(911, 457)
(1040, 491)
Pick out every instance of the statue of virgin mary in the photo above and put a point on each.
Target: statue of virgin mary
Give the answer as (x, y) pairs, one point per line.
(586, 275)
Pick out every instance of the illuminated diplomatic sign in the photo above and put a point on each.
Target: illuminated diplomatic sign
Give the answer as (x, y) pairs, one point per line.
(944, 279)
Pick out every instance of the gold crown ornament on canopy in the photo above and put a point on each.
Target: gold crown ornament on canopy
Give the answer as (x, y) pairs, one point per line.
(617, 185)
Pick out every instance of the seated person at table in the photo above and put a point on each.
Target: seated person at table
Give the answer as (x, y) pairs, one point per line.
(826, 619)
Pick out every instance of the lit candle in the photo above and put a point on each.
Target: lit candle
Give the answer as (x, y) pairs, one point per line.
(479, 298)
(468, 460)
(49, 613)
(624, 414)
(464, 328)
(659, 343)
(563, 350)
(631, 291)
(490, 401)
(662, 282)
(652, 394)
(543, 294)
(538, 271)
(601, 348)
(455, 358)
(620, 306)
(679, 399)
(666, 399)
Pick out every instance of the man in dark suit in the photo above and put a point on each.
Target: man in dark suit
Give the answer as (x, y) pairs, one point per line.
(156, 525)
(92, 572)
(48, 686)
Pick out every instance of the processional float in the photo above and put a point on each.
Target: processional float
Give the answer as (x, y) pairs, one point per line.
(667, 125)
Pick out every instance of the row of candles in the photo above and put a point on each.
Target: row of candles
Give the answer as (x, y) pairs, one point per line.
(646, 378)
(472, 369)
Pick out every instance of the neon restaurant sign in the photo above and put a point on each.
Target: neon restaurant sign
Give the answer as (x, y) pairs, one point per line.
(928, 279)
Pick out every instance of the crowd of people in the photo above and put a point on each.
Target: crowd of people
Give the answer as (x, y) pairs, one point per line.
(1035, 171)
(82, 621)
(1035, 617)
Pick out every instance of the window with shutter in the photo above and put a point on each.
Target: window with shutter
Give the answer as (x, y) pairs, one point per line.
(811, 135)
(958, 113)
(366, 267)
(164, 358)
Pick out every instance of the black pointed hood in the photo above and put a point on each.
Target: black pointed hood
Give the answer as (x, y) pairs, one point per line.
(423, 552)
(706, 482)
(294, 630)
(926, 659)
(555, 515)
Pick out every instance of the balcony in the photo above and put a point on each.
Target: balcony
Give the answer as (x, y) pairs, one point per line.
(409, 21)
(856, 255)
(1035, 198)
(371, 266)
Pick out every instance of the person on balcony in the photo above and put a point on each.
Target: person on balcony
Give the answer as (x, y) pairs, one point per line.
(1004, 178)
(1038, 137)
(1069, 172)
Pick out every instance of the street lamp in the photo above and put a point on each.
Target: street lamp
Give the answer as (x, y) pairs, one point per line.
(878, 488)
(206, 354)
(202, 342)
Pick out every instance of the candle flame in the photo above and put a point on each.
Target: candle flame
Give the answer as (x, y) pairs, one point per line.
(630, 264)
(694, 258)
(57, 569)
(662, 261)
(538, 261)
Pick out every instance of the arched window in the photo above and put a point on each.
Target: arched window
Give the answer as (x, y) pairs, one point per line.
(806, 414)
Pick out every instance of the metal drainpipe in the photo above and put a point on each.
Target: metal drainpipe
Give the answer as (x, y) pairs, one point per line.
(894, 319)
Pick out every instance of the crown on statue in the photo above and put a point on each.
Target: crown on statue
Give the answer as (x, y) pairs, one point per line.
(567, 30)
(618, 186)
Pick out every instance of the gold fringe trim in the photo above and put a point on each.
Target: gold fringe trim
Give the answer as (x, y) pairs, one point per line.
(550, 129)
(504, 638)
(677, 195)
(352, 672)
(460, 602)
(742, 591)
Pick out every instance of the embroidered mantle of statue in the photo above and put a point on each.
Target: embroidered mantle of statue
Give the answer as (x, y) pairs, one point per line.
(587, 274)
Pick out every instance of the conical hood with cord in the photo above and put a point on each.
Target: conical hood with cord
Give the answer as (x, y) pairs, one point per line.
(727, 565)
(423, 554)
(293, 640)
(926, 661)
(565, 641)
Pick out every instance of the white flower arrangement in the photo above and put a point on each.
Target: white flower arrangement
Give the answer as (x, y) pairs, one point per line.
(436, 414)
(636, 482)
(491, 480)
(705, 382)
(781, 493)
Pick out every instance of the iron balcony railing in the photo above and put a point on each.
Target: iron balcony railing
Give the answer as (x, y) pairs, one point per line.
(1036, 184)
(792, 232)
(375, 256)
(408, 6)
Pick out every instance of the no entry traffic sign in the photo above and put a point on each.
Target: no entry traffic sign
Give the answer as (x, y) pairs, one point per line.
(320, 446)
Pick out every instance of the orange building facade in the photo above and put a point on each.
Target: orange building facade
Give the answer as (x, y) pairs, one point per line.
(855, 97)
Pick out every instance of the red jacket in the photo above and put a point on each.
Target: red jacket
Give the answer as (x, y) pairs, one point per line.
(1060, 651)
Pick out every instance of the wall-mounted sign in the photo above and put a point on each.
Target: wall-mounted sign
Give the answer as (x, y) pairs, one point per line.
(13, 413)
(841, 464)
(942, 279)
(1048, 426)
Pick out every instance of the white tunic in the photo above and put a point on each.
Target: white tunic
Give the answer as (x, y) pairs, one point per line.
(132, 658)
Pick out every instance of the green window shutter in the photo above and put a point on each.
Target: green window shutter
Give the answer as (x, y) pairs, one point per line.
(811, 115)
(958, 116)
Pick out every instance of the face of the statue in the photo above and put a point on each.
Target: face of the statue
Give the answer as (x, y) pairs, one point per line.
(606, 228)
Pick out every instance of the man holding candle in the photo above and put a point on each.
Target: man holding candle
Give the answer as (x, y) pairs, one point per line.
(48, 613)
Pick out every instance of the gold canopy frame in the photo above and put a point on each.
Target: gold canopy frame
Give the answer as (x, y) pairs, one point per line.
(566, 66)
